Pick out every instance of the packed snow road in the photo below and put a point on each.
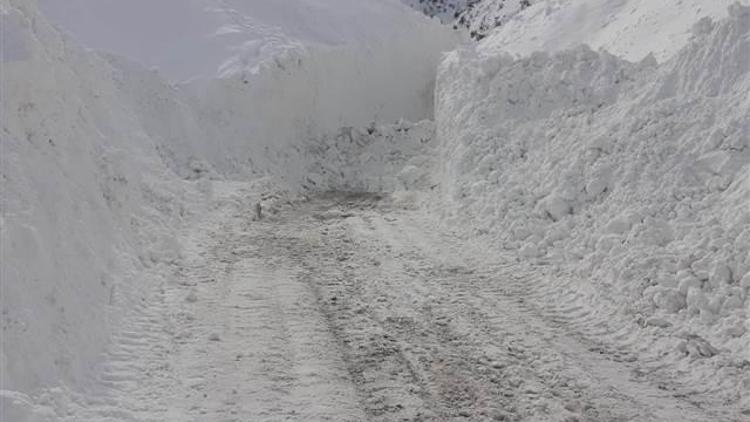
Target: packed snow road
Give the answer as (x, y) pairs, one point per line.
(346, 307)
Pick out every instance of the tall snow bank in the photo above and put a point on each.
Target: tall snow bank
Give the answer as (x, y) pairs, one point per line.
(631, 178)
(87, 205)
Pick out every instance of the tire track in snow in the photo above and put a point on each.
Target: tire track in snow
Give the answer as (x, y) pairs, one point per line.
(258, 347)
(346, 309)
(474, 348)
(615, 381)
(234, 336)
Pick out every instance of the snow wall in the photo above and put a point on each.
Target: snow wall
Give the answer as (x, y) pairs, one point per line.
(103, 162)
(628, 183)
(86, 203)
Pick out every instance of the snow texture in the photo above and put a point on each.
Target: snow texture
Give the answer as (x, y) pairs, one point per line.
(631, 29)
(628, 181)
(483, 16)
(617, 183)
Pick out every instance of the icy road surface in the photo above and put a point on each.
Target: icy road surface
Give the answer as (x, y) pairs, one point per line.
(348, 308)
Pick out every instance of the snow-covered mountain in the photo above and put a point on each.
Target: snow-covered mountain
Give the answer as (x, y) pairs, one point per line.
(628, 181)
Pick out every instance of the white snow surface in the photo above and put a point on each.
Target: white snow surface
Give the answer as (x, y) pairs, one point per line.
(628, 183)
(631, 29)
(87, 205)
(618, 184)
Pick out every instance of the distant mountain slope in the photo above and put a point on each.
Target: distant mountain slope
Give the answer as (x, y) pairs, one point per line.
(447, 10)
(478, 16)
(483, 16)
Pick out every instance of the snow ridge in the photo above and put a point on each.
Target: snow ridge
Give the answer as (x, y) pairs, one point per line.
(88, 206)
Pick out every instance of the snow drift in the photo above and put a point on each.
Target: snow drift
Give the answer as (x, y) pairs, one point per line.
(628, 181)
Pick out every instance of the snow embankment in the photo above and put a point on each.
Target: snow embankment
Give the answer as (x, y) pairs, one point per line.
(87, 205)
(628, 182)
(103, 161)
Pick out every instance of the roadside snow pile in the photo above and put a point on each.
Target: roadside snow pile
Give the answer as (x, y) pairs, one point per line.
(630, 178)
(446, 10)
(87, 205)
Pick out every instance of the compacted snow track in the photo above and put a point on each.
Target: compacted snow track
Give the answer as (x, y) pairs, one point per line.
(346, 307)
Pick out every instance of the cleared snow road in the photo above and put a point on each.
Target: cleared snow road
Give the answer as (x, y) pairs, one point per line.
(346, 308)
